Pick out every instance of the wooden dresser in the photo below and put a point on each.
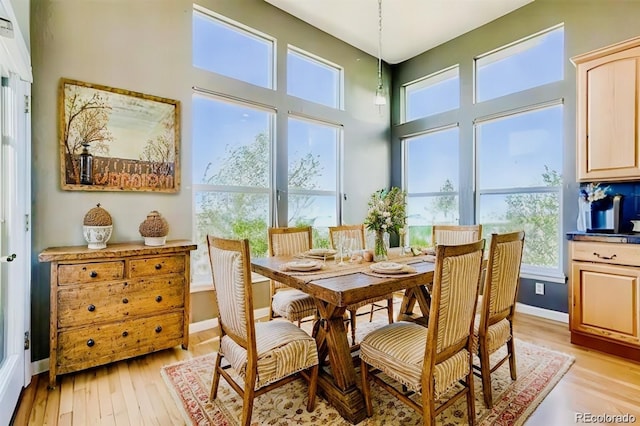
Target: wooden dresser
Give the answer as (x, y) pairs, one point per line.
(116, 303)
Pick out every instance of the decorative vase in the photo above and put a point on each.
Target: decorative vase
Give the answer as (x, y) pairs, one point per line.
(97, 236)
(155, 241)
(381, 246)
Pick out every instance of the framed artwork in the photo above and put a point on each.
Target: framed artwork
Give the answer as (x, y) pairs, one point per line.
(117, 140)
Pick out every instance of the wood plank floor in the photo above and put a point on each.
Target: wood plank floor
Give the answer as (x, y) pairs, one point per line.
(132, 392)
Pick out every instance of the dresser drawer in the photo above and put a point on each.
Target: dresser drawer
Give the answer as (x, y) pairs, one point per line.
(156, 265)
(617, 254)
(95, 345)
(90, 272)
(92, 304)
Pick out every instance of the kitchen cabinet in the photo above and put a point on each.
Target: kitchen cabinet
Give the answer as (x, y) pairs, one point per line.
(608, 111)
(116, 303)
(604, 297)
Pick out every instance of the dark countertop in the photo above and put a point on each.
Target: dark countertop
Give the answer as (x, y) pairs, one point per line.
(629, 238)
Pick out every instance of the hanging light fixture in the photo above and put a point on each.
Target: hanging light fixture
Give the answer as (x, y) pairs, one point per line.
(381, 98)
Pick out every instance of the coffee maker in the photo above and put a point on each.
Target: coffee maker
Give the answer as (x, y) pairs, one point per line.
(604, 218)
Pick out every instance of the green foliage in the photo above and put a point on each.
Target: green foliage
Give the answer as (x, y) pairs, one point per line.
(446, 203)
(387, 210)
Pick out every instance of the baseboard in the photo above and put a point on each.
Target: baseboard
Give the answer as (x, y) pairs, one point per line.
(543, 313)
(39, 366)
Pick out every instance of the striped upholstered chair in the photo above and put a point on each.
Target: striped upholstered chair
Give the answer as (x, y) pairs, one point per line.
(455, 234)
(494, 321)
(287, 302)
(265, 354)
(431, 360)
(356, 233)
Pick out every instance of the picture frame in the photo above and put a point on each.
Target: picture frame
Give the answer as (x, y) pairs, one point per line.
(117, 140)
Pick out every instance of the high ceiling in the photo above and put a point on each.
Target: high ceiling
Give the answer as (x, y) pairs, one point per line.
(409, 27)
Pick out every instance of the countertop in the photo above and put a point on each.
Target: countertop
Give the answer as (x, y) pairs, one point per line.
(628, 238)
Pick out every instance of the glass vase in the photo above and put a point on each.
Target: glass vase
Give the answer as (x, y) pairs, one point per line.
(381, 246)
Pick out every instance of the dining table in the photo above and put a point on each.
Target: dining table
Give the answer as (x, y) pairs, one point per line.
(334, 285)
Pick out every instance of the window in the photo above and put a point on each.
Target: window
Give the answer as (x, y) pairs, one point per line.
(231, 175)
(232, 50)
(519, 178)
(313, 176)
(529, 63)
(313, 79)
(433, 94)
(431, 181)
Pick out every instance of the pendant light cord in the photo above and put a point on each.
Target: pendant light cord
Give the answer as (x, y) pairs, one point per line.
(379, 44)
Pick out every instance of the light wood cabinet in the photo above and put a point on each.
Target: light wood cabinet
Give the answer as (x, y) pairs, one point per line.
(116, 303)
(604, 297)
(608, 111)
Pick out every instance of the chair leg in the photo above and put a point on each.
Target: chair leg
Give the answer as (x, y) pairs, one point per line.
(471, 396)
(216, 378)
(247, 398)
(512, 358)
(373, 307)
(352, 321)
(366, 389)
(313, 386)
(485, 369)
(390, 309)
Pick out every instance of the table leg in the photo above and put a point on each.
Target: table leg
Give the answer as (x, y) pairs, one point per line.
(339, 384)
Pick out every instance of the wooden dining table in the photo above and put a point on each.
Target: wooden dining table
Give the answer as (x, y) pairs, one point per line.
(333, 288)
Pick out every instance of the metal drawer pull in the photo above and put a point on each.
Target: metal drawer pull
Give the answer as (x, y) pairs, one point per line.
(158, 299)
(158, 266)
(158, 329)
(8, 258)
(91, 308)
(125, 333)
(603, 257)
(93, 274)
(125, 300)
(90, 342)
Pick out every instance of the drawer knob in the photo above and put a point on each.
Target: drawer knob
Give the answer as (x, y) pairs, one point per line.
(125, 300)
(598, 255)
(158, 266)
(91, 308)
(125, 333)
(158, 299)
(158, 329)
(90, 342)
(93, 274)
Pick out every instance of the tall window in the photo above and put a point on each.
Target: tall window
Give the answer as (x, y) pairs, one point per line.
(231, 174)
(431, 181)
(313, 79)
(527, 63)
(313, 176)
(519, 163)
(433, 94)
(217, 42)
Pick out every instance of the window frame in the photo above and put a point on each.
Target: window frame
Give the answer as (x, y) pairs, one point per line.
(423, 83)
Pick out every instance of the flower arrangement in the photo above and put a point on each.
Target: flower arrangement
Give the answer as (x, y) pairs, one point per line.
(387, 212)
(594, 192)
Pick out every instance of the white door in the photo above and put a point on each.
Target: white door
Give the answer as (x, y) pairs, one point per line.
(15, 243)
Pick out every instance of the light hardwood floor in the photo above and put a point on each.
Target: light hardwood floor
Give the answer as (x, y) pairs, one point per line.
(132, 392)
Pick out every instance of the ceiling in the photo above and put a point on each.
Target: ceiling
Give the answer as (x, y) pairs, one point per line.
(409, 27)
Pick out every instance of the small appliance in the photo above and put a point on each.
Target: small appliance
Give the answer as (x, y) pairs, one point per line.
(605, 217)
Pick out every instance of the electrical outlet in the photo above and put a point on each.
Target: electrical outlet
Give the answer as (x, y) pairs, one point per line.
(539, 288)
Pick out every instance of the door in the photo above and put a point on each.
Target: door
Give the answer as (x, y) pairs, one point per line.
(15, 363)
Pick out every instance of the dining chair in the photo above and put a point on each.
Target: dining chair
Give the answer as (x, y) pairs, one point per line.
(356, 234)
(436, 359)
(455, 234)
(286, 302)
(266, 355)
(494, 321)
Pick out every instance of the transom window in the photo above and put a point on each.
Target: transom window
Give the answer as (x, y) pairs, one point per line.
(313, 79)
(433, 94)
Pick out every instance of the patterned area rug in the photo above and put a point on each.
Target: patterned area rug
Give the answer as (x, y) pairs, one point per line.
(538, 368)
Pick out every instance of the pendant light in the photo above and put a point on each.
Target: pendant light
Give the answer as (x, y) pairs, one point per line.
(381, 98)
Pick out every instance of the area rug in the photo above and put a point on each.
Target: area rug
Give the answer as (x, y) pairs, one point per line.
(538, 368)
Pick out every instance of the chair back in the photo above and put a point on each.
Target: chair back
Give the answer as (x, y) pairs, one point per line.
(289, 241)
(453, 301)
(230, 267)
(502, 277)
(455, 234)
(353, 232)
